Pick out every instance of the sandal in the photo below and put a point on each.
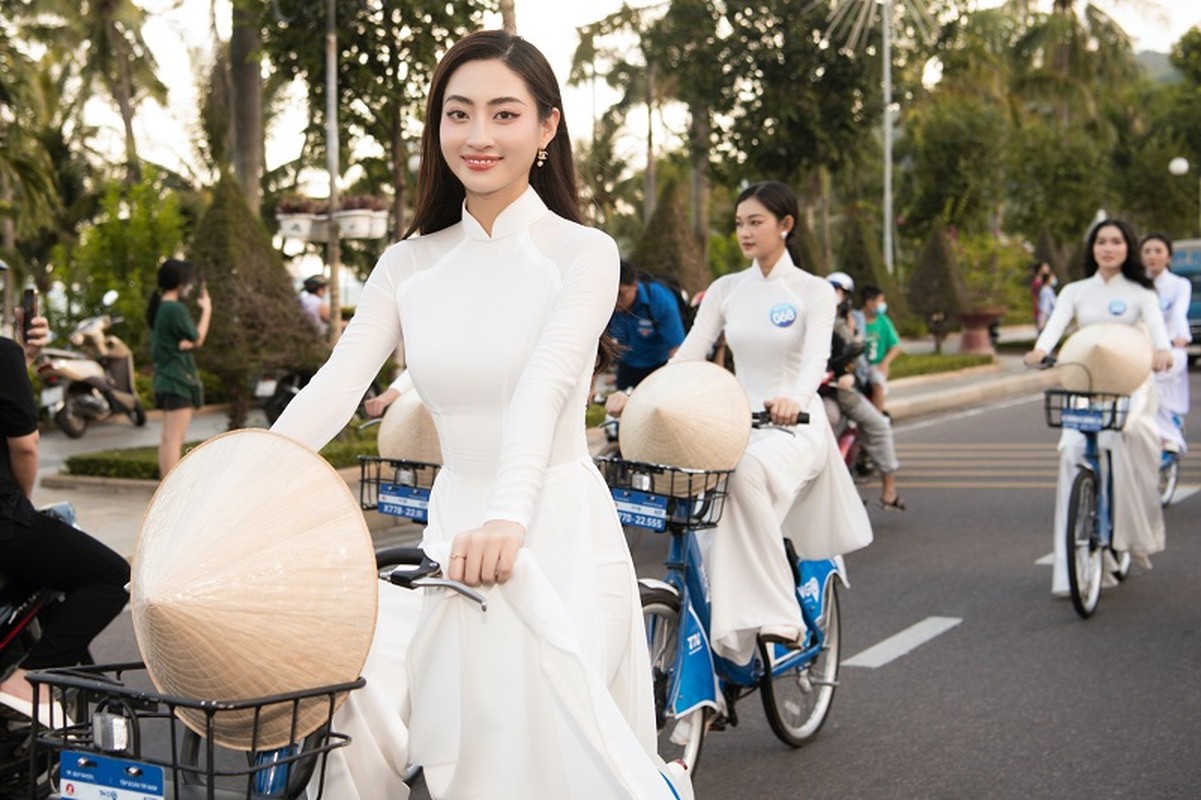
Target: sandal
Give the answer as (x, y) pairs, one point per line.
(897, 504)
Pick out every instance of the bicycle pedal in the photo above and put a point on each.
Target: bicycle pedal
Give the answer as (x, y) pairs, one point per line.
(720, 722)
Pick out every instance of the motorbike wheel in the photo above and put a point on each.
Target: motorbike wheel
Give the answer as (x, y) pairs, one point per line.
(138, 414)
(70, 421)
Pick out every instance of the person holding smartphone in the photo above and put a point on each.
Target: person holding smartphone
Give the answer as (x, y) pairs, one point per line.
(39, 549)
(177, 388)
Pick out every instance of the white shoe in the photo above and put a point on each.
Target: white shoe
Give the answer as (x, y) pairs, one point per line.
(50, 714)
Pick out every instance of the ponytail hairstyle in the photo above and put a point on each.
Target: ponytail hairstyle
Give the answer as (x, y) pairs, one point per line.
(173, 274)
(777, 198)
(1132, 267)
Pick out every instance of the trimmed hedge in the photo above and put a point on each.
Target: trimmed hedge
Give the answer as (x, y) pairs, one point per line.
(142, 462)
(908, 365)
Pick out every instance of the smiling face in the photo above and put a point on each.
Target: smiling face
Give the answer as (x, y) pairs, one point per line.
(1110, 249)
(1156, 257)
(761, 234)
(490, 132)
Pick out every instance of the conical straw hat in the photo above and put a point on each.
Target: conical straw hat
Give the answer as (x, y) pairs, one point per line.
(690, 414)
(408, 433)
(1106, 357)
(251, 580)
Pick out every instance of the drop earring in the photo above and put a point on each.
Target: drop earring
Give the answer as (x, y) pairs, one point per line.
(540, 159)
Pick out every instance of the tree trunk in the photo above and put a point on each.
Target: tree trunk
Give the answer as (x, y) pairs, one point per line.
(400, 168)
(247, 83)
(508, 15)
(650, 189)
(123, 94)
(698, 146)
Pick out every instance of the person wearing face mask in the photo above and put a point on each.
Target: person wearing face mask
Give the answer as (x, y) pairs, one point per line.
(1175, 295)
(1115, 289)
(1046, 295)
(883, 342)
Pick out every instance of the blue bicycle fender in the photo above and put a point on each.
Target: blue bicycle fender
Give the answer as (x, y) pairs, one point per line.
(695, 680)
(815, 577)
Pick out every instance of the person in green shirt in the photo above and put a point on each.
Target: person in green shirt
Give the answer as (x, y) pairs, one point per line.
(177, 389)
(883, 343)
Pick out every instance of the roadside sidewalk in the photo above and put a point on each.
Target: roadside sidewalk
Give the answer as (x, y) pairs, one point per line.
(112, 510)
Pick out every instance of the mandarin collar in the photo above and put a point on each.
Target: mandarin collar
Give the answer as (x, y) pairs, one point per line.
(516, 217)
(784, 264)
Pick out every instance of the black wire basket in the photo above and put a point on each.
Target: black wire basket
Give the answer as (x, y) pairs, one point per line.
(120, 729)
(396, 487)
(660, 497)
(1086, 411)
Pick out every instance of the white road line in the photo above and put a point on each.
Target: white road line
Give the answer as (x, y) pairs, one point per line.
(1183, 493)
(904, 642)
(1046, 561)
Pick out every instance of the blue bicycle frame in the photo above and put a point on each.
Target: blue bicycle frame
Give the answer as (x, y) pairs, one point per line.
(698, 674)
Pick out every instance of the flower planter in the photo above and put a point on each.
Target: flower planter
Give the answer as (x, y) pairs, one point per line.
(295, 226)
(379, 225)
(975, 323)
(354, 223)
(320, 229)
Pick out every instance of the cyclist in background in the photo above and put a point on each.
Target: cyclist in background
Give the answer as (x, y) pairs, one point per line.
(1175, 295)
(1115, 289)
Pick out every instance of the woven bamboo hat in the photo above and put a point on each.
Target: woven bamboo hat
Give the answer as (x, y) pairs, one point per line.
(690, 414)
(253, 574)
(408, 433)
(1106, 357)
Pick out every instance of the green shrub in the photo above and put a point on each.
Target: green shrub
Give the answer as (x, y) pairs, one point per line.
(142, 462)
(907, 365)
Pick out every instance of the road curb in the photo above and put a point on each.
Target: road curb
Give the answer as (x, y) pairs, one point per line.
(972, 395)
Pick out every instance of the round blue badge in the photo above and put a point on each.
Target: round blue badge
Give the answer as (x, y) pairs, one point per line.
(1117, 307)
(1165, 304)
(783, 315)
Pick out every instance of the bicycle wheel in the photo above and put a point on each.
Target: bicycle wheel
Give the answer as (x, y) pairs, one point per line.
(797, 701)
(1084, 552)
(678, 738)
(1169, 474)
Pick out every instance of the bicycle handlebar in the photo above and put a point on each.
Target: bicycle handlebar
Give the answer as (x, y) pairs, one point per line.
(761, 418)
(428, 573)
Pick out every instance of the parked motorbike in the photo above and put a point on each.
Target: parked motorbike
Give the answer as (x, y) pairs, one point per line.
(275, 390)
(92, 382)
(21, 607)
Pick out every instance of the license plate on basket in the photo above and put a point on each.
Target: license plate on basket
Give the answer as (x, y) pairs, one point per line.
(404, 501)
(641, 509)
(1082, 419)
(52, 396)
(87, 776)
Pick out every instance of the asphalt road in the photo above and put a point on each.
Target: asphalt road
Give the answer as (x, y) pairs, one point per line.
(1018, 697)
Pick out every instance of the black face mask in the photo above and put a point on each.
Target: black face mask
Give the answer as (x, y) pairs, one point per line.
(844, 308)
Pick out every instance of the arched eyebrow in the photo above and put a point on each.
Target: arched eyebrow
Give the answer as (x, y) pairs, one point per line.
(498, 101)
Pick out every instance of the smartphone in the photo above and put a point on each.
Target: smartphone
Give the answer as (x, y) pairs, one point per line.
(29, 310)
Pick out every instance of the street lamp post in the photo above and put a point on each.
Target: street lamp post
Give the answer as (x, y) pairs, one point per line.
(1180, 166)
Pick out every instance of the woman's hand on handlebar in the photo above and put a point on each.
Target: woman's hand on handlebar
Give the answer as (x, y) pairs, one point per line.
(616, 403)
(784, 410)
(486, 555)
(1034, 358)
(1161, 361)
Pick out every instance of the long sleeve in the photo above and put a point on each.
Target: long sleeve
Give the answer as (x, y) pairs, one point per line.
(1179, 326)
(820, 310)
(566, 352)
(1065, 309)
(327, 403)
(709, 323)
(1148, 302)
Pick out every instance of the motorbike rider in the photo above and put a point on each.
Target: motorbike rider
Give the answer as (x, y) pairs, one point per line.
(38, 549)
(875, 428)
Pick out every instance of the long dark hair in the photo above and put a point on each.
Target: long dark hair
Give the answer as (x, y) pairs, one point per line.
(439, 193)
(1132, 267)
(1158, 237)
(777, 198)
(173, 274)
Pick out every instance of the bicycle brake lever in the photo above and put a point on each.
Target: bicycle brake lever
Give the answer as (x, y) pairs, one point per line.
(455, 586)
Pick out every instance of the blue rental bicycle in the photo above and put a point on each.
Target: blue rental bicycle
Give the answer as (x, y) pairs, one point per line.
(695, 689)
(1089, 531)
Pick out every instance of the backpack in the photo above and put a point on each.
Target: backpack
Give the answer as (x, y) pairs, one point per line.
(687, 312)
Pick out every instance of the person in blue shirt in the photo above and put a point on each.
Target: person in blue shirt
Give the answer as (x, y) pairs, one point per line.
(646, 325)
